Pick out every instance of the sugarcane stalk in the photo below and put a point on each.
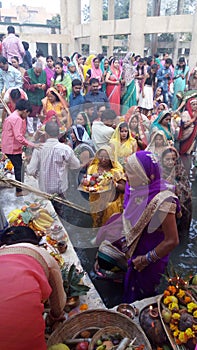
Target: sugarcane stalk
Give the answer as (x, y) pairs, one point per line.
(43, 194)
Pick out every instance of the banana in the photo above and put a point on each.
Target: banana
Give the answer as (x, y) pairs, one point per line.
(45, 216)
(43, 223)
(37, 226)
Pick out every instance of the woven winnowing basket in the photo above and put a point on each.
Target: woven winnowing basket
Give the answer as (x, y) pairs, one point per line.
(107, 331)
(93, 319)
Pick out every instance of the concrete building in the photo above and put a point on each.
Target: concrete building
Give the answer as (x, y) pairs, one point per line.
(138, 24)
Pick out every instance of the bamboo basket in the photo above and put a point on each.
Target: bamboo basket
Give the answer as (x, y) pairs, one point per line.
(107, 331)
(100, 318)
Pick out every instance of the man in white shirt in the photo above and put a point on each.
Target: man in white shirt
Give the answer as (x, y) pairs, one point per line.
(103, 129)
(52, 162)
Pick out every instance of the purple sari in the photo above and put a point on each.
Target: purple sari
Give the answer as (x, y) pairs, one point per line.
(50, 74)
(140, 285)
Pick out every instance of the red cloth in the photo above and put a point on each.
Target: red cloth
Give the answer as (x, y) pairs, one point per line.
(23, 288)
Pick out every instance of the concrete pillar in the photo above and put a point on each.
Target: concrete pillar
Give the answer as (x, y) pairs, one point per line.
(49, 49)
(111, 37)
(193, 47)
(96, 16)
(137, 14)
(70, 17)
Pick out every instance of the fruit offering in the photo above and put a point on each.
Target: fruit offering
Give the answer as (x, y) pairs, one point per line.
(97, 182)
(179, 314)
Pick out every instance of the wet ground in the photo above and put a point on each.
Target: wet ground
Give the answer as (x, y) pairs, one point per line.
(183, 258)
(78, 226)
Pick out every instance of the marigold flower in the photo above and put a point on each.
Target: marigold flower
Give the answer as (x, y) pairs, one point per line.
(173, 327)
(194, 327)
(190, 333)
(181, 293)
(176, 333)
(172, 289)
(176, 316)
(166, 293)
(183, 337)
(173, 306)
(191, 307)
(187, 299)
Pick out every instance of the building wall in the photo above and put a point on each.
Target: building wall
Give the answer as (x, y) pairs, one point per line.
(135, 27)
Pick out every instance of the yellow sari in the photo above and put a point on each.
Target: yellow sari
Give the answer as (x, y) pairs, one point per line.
(122, 149)
(104, 205)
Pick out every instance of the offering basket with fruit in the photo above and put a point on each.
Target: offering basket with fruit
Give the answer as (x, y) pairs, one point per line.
(96, 183)
(178, 312)
(98, 319)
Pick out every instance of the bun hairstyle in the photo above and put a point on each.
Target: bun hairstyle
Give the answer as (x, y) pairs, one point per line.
(19, 234)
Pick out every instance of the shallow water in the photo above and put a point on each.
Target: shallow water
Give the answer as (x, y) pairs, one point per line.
(78, 226)
(183, 258)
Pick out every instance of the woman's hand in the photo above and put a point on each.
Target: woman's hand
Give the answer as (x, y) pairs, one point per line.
(140, 263)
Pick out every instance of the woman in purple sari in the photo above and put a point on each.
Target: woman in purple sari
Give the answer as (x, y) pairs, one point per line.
(148, 224)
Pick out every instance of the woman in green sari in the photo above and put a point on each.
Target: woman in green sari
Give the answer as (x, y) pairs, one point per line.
(129, 97)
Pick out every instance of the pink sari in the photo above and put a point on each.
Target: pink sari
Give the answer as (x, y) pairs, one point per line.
(114, 91)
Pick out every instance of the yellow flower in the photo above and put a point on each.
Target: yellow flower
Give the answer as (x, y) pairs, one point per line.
(176, 316)
(181, 293)
(183, 337)
(194, 327)
(191, 306)
(173, 327)
(173, 306)
(190, 333)
(195, 314)
(176, 333)
(170, 299)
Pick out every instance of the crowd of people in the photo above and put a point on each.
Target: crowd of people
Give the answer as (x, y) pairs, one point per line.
(135, 118)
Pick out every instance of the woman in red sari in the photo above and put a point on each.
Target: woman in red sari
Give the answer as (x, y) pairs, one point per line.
(188, 132)
(113, 85)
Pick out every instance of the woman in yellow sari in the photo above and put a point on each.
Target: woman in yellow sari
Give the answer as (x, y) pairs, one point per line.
(55, 102)
(104, 205)
(122, 143)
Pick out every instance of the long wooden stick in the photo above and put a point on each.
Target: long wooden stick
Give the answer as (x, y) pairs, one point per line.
(43, 194)
(5, 105)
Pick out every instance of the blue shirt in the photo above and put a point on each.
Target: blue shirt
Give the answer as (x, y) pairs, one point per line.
(75, 102)
(162, 81)
(98, 98)
(10, 78)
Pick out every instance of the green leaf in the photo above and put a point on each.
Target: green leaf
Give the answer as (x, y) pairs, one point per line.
(26, 216)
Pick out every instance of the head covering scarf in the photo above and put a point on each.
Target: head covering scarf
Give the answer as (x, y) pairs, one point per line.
(156, 125)
(189, 106)
(128, 69)
(140, 126)
(114, 71)
(151, 147)
(87, 125)
(102, 64)
(177, 176)
(143, 165)
(87, 64)
(78, 68)
(51, 114)
(130, 112)
(122, 150)
(116, 170)
(60, 97)
(96, 72)
(80, 133)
